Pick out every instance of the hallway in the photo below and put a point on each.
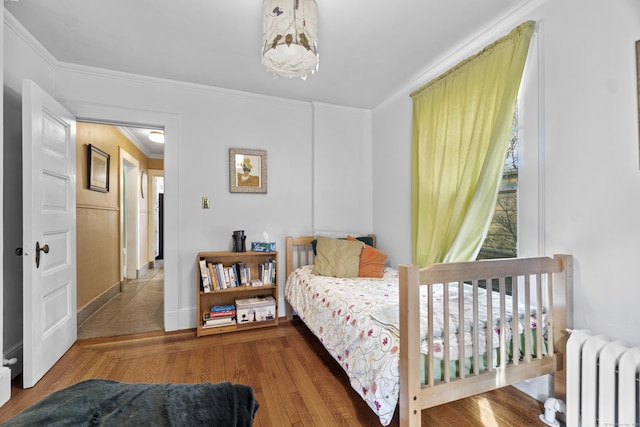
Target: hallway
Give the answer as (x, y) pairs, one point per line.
(138, 308)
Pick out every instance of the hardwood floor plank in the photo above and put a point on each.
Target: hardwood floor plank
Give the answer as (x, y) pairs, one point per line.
(269, 413)
(295, 381)
(236, 368)
(179, 371)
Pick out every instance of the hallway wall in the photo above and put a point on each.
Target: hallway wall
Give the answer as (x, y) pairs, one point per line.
(98, 215)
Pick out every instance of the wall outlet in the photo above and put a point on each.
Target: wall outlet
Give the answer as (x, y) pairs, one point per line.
(206, 203)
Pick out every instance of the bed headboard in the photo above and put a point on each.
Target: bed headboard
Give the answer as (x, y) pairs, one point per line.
(299, 252)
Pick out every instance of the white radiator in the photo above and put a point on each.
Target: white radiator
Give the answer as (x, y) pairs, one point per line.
(602, 381)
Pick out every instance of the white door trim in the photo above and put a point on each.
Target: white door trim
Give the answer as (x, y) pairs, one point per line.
(175, 315)
(129, 211)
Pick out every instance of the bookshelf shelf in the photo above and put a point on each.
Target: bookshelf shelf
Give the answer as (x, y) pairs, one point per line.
(229, 295)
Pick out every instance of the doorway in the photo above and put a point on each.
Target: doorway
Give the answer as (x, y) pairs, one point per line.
(125, 292)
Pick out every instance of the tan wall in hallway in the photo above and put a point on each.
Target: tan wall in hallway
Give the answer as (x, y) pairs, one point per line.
(156, 164)
(98, 214)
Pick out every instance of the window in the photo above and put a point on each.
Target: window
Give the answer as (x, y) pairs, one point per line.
(502, 237)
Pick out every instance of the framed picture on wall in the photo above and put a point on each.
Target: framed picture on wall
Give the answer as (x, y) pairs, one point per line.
(247, 171)
(98, 169)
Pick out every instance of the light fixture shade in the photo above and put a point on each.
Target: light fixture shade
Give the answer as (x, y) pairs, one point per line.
(290, 38)
(156, 136)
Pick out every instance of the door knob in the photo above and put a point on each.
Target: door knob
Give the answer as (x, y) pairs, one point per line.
(39, 249)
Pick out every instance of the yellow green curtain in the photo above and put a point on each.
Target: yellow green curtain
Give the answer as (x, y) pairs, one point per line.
(461, 124)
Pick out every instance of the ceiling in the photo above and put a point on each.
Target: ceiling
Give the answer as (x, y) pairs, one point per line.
(369, 49)
(139, 136)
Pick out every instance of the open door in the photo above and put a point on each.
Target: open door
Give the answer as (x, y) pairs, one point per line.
(49, 231)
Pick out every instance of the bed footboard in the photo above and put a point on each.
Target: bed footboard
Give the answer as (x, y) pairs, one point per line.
(533, 288)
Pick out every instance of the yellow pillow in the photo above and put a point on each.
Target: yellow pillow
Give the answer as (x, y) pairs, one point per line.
(372, 261)
(337, 258)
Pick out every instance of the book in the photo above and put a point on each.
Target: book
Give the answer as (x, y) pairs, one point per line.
(204, 276)
(212, 274)
(227, 281)
(226, 313)
(232, 277)
(267, 272)
(256, 282)
(207, 320)
(213, 323)
(224, 307)
(242, 270)
(273, 272)
(220, 275)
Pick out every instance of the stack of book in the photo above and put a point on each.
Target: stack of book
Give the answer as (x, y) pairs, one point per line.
(267, 272)
(215, 276)
(219, 315)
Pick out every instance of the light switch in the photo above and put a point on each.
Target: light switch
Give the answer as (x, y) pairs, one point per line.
(206, 203)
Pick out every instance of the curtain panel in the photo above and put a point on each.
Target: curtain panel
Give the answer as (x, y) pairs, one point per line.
(460, 132)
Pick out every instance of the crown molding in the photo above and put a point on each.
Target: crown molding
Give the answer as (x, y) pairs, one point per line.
(60, 66)
(18, 29)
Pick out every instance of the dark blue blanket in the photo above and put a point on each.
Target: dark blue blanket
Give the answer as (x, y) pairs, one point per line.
(110, 403)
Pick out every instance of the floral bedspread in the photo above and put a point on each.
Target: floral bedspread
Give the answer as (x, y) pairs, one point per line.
(338, 311)
(356, 319)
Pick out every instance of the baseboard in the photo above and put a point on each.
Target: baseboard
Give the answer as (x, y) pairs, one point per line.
(15, 352)
(186, 318)
(93, 306)
(141, 270)
(5, 385)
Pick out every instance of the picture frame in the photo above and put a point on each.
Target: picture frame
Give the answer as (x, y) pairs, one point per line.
(247, 171)
(98, 163)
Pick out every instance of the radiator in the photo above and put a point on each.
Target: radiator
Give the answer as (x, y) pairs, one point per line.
(602, 381)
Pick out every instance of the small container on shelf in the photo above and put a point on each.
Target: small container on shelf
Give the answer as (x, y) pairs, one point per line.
(263, 246)
(255, 309)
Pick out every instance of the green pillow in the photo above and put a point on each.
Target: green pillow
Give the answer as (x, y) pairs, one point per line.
(337, 257)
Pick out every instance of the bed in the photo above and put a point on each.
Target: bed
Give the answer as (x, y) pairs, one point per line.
(416, 338)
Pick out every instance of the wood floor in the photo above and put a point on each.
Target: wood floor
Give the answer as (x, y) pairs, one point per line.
(295, 381)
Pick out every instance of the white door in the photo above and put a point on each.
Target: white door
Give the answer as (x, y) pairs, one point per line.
(49, 231)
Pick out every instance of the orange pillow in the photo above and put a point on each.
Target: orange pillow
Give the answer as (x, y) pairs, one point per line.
(372, 261)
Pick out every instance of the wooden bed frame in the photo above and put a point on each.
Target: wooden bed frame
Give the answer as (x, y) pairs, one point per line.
(549, 279)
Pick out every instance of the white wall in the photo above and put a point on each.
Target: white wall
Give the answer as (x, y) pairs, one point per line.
(20, 62)
(392, 180)
(341, 169)
(201, 124)
(5, 374)
(592, 160)
(586, 158)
